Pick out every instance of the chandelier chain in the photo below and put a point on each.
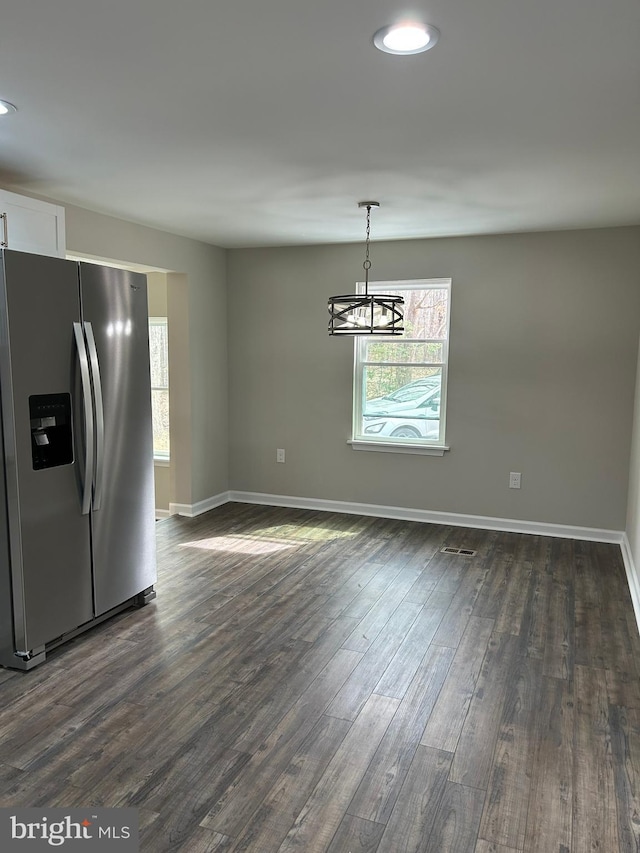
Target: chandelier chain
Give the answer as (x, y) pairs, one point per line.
(367, 263)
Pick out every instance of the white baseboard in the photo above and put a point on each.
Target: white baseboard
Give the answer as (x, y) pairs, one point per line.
(191, 510)
(163, 513)
(632, 576)
(509, 525)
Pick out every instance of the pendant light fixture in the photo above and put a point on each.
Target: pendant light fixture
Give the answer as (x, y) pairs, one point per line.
(366, 313)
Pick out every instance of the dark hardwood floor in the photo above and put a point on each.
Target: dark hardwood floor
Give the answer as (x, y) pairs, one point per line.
(324, 683)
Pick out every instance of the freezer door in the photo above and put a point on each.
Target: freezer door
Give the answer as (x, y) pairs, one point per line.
(115, 316)
(44, 451)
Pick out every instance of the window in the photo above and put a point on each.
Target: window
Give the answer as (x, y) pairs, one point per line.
(159, 357)
(400, 384)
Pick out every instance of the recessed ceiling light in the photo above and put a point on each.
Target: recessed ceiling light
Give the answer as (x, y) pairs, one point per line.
(6, 107)
(406, 38)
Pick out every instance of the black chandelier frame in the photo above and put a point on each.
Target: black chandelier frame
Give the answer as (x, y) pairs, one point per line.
(366, 313)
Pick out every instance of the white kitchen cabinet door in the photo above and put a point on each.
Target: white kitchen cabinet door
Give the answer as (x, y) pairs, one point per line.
(29, 225)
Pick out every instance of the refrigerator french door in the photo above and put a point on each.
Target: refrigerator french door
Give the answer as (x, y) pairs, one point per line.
(77, 537)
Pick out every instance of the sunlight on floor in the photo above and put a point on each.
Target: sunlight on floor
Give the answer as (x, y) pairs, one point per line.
(241, 545)
(269, 540)
(305, 532)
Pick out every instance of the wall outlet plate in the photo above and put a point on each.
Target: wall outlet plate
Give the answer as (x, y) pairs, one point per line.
(279, 455)
(514, 480)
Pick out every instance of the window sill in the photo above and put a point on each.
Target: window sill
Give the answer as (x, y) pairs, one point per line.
(394, 447)
(161, 461)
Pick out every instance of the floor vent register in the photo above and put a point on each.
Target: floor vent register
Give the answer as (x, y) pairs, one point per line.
(464, 552)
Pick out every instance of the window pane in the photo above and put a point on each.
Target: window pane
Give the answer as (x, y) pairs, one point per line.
(425, 312)
(398, 351)
(386, 386)
(160, 416)
(401, 402)
(158, 351)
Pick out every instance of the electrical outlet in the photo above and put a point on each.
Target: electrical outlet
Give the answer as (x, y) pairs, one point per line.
(279, 455)
(514, 480)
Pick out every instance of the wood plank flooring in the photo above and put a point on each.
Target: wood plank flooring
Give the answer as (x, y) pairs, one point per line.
(325, 683)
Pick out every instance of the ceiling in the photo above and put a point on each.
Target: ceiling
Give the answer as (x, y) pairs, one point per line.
(252, 123)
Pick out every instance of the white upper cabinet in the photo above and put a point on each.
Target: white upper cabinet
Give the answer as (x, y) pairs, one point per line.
(28, 225)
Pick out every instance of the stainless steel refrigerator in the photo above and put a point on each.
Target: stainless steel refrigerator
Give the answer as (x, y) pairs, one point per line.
(77, 536)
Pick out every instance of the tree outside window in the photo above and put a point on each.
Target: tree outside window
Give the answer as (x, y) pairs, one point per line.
(159, 358)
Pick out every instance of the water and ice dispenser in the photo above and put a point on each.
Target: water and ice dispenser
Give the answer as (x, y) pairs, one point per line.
(51, 435)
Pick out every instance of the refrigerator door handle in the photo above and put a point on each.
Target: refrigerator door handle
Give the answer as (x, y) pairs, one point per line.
(99, 412)
(88, 418)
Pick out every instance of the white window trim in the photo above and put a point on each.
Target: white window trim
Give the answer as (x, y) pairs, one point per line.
(396, 447)
(423, 448)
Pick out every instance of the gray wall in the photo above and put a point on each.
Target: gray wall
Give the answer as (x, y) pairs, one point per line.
(157, 294)
(544, 338)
